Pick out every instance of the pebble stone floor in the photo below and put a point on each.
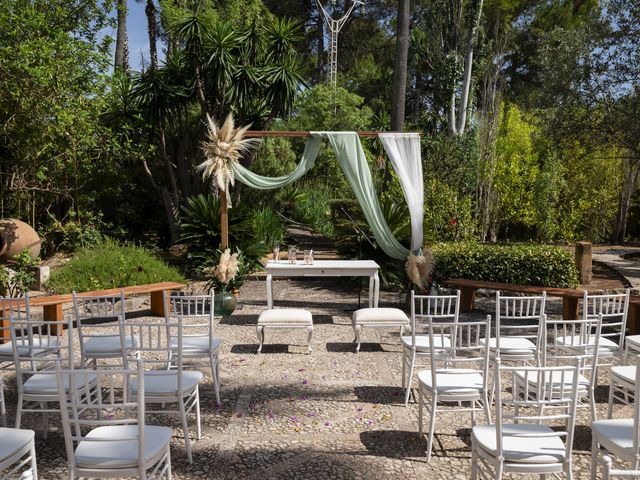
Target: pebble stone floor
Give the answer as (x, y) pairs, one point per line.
(333, 414)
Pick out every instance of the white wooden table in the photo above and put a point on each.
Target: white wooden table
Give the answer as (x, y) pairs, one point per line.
(325, 268)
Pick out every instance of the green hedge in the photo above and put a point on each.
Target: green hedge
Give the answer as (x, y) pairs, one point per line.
(523, 264)
(110, 265)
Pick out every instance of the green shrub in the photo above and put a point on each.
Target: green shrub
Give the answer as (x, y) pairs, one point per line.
(267, 226)
(354, 237)
(523, 264)
(201, 230)
(110, 265)
(313, 207)
(16, 277)
(78, 231)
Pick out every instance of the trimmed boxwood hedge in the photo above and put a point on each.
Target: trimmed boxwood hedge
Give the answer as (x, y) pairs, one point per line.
(522, 264)
(110, 265)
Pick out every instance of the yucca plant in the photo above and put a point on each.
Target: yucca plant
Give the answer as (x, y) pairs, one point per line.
(200, 230)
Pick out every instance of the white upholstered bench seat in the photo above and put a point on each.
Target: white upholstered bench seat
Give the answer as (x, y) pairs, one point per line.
(378, 318)
(285, 318)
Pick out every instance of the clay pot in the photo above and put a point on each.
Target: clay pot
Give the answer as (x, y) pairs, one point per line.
(15, 236)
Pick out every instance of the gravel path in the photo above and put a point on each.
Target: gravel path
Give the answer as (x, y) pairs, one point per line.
(333, 414)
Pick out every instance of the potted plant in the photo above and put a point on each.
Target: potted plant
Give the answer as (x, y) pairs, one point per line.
(225, 278)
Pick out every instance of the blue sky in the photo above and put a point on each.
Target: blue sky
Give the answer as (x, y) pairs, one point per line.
(138, 39)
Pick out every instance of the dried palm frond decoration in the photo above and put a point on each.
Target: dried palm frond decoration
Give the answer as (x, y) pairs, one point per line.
(223, 148)
(419, 267)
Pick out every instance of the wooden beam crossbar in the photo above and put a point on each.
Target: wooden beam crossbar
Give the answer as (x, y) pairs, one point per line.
(288, 133)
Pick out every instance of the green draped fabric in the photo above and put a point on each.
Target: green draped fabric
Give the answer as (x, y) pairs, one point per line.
(259, 182)
(351, 157)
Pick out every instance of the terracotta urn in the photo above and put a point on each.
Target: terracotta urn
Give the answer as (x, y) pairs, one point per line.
(15, 236)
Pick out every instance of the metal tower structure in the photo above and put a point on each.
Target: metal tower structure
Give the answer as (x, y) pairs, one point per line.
(335, 25)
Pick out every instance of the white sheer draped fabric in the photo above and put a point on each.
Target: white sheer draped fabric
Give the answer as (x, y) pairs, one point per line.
(403, 150)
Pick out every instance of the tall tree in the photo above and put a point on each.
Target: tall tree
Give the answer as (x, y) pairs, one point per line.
(152, 31)
(465, 20)
(122, 43)
(225, 60)
(591, 78)
(52, 146)
(400, 66)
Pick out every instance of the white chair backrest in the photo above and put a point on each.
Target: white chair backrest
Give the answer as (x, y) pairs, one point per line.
(438, 308)
(571, 341)
(153, 346)
(36, 349)
(555, 388)
(193, 312)
(519, 316)
(101, 398)
(12, 308)
(93, 316)
(460, 345)
(614, 309)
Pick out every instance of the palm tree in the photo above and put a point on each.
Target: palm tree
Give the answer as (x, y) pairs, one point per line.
(122, 45)
(400, 67)
(152, 29)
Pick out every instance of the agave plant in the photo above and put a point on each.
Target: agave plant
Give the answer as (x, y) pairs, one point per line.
(223, 148)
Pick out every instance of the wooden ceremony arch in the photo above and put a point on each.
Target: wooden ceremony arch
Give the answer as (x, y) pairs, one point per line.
(224, 208)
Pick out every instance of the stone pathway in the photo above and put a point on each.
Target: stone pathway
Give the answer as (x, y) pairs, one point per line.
(333, 414)
(623, 260)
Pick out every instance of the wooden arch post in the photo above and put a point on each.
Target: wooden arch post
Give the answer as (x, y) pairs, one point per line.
(224, 221)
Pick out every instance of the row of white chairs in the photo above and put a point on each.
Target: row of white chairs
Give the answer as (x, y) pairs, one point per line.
(167, 349)
(556, 368)
(518, 328)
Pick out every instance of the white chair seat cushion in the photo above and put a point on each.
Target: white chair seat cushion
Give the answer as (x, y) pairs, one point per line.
(165, 382)
(12, 440)
(108, 345)
(556, 378)
(285, 316)
(366, 316)
(46, 383)
(633, 341)
(111, 454)
(6, 349)
(422, 342)
(453, 382)
(615, 435)
(626, 373)
(604, 344)
(513, 345)
(521, 449)
(195, 344)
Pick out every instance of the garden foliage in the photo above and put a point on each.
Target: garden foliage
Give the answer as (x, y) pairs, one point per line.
(201, 230)
(16, 278)
(111, 265)
(522, 264)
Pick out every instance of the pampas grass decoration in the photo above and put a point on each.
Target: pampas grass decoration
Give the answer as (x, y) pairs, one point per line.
(223, 148)
(419, 267)
(227, 268)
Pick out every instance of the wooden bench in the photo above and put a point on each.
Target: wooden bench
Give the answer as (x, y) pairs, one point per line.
(570, 296)
(633, 319)
(52, 304)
